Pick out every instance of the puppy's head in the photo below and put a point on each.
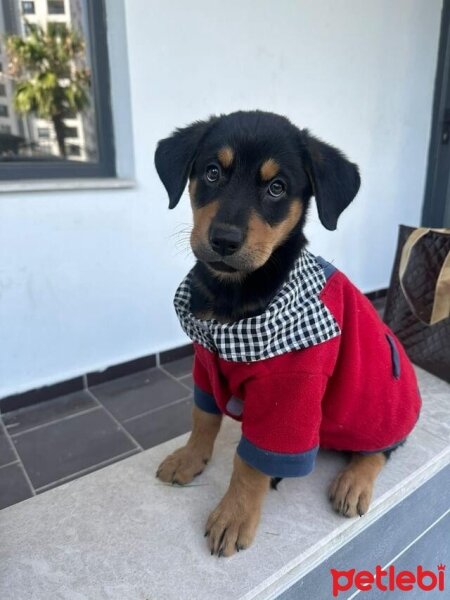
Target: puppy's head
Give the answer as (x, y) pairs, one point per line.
(251, 175)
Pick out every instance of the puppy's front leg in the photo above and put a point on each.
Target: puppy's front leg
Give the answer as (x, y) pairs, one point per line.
(232, 525)
(186, 463)
(351, 491)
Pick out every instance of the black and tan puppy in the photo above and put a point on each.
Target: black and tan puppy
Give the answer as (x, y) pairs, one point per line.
(282, 340)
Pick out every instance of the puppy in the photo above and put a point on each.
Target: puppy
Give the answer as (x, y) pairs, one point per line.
(283, 341)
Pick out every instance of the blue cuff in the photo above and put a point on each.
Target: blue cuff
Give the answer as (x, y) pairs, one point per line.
(205, 401)
(276, 464)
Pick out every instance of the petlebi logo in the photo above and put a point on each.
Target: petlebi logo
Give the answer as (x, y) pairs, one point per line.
(388, 580)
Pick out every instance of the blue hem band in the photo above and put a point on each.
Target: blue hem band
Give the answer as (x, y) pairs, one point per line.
(276, 464)
(205, 401)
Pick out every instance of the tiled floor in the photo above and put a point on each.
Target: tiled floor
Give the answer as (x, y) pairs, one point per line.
(55, 441)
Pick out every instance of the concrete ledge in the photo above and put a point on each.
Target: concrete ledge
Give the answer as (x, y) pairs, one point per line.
(122, 535)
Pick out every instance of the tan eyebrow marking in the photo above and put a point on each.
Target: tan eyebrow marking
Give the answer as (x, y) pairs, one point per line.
(265, 238)
(269, 169)
(225, 156)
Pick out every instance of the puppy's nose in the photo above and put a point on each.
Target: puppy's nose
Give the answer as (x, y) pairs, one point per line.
(225, 239)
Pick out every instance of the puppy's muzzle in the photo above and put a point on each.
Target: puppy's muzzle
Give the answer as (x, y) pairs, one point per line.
(225, 240)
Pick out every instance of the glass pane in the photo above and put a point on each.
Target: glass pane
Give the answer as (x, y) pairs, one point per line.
(55, 7)
(46, 96)
(28, 8)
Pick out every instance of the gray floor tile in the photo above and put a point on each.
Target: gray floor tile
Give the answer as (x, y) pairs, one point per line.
(181, 367)
(162, 425)
(45, 412)
(133, 395)
(87, 471)
(65, 447)
(7, 454)
(13, 486)
(188, 380)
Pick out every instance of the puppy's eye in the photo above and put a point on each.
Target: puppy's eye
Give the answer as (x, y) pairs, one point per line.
(277, 188)
(212, 173)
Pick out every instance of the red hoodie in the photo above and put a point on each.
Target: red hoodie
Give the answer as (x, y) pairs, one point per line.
(344, 382)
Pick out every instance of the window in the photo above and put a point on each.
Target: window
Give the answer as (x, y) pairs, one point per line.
(71, 132)
(43, 133)
(28, 8)
(46, 145)
(55, 7)
(2, 89)
(5, 128)
(74, 150)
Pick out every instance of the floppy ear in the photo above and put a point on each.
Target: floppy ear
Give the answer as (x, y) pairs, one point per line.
(334, 179)
(175, 155)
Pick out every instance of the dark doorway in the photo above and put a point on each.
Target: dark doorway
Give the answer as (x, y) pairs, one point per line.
(436, 209)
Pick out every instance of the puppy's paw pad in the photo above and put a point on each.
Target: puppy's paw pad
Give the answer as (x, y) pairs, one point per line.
(182, 466)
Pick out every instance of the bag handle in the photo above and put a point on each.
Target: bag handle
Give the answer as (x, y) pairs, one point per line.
(441, 304)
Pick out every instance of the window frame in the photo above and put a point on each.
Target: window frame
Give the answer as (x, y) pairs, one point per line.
(100, 72)
(61, 2)
(70, 148)
(71, 132)
(39, 131)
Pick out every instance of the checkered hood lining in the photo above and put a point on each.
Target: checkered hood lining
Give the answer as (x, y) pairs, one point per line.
(295, 319)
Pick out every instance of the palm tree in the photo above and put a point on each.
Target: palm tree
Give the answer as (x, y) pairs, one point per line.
(51, 79)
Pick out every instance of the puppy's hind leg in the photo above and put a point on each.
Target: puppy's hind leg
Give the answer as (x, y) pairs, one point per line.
(351, 491)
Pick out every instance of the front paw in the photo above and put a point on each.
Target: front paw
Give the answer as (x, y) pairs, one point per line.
(232, 525)
(182, 466)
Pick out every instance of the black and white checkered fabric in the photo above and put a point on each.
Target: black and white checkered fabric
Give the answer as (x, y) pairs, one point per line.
(295, 319)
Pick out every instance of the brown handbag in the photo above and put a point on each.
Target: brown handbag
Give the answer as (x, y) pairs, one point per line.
(418, 299)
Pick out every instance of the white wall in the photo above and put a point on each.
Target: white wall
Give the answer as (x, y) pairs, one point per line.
(87, 278)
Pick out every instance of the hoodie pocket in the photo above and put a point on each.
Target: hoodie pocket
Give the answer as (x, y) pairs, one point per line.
(395, 358)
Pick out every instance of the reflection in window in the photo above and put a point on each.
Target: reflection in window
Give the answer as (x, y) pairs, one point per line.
(46, 87)
(71, 132)
(28, 8)
(55, 7)
(74, 150)
(43, 133)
